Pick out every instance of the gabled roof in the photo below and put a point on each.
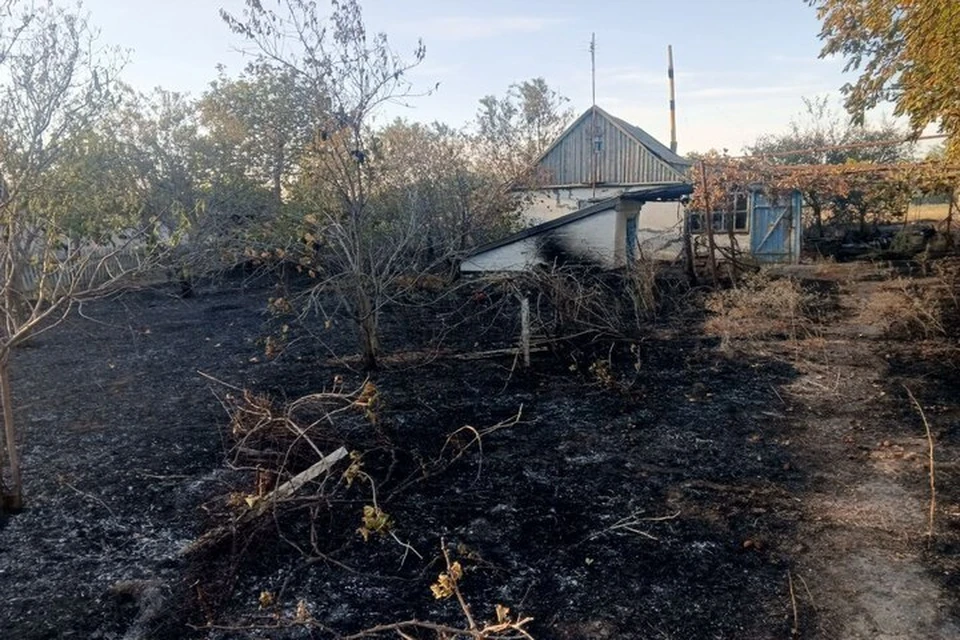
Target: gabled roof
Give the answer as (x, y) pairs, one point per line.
(648, 141)
(639, 135)
(650, 193)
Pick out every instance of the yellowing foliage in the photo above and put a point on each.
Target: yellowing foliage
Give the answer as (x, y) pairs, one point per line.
(907, 51)
(374, 520)
(446, 584)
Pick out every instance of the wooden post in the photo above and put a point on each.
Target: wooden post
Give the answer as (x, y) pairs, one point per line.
(708, 220)
(689, 262)
(731, 213)
(525, 330)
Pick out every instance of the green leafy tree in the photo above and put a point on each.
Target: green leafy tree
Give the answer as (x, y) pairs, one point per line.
(258, 125)
(906, 51)
(430, 171)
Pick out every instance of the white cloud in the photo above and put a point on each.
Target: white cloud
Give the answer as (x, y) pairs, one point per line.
(476, 27)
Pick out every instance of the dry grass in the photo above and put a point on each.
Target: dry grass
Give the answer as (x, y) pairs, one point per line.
(763, 307)
(902, 308)
(927, 212)
(931, 457)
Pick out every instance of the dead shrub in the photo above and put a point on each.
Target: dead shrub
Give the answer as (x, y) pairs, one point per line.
(572, 301)
(902, 308)
(763, 307)
(576, 300)
(947, 273)
(420, 283)
(642, 284)
(287, 439)
(306, 472)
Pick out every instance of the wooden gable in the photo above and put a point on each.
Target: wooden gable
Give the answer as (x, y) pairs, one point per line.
(626, 155)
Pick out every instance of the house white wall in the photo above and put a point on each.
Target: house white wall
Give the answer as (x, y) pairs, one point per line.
(660, 230)
(595, 237)
(543, 205)
(515, 256)
(598, 238)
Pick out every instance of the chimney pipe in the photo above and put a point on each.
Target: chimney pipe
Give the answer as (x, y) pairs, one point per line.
(673, 100)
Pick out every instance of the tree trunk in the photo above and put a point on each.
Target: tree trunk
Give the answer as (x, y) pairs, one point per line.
(277, 189)
(371, 344)
(13, 499)
(708, 218)
(277, 173)
(369, 331)
(862, 219)
(817, 207)
(186, 283)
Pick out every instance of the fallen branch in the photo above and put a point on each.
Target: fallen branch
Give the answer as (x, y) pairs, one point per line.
(268, 501)
(63, 481)
(505, 628)
(494, 353)
(294, 484)
(795, 630)
(457, 451)
(631, 524)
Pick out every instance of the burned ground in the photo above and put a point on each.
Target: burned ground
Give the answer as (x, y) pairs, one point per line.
(676, 492)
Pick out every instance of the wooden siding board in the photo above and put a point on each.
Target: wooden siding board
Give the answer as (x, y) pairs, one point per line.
(623, 160)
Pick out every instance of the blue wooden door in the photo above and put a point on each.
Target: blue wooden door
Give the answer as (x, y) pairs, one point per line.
(774, 227)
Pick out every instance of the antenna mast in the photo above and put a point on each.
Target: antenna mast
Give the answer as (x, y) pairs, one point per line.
(593, 114)
(593, 68)
(673, 100)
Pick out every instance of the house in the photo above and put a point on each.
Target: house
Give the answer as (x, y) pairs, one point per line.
(764, 225)
(649, 222)
(607, 234)
(608, 192)
(598, 157)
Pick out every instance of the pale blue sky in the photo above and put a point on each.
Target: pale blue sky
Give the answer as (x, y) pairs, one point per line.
(742, 65)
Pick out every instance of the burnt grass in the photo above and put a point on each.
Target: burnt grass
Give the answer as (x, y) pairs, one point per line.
(656, 501)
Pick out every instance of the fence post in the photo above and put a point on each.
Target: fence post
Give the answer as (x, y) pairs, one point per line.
(525, 330)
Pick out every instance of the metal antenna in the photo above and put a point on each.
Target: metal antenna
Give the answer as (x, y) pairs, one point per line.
(593, 112)
(593, 67)
(673, 100)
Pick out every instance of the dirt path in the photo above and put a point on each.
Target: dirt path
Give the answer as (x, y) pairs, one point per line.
(862, 570)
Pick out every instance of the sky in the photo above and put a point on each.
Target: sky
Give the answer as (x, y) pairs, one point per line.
(742, 66)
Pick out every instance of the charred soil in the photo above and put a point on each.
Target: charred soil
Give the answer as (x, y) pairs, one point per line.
(681, 485)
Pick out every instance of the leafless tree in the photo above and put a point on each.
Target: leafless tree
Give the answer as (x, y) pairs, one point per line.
(56, 83)
(359, 249)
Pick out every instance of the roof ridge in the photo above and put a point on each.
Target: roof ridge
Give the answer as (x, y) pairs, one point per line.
(658, 148)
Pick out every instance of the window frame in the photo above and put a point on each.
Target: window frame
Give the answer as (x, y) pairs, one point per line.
(721, 219)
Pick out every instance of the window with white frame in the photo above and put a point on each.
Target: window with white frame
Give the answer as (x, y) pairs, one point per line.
(734, 215)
